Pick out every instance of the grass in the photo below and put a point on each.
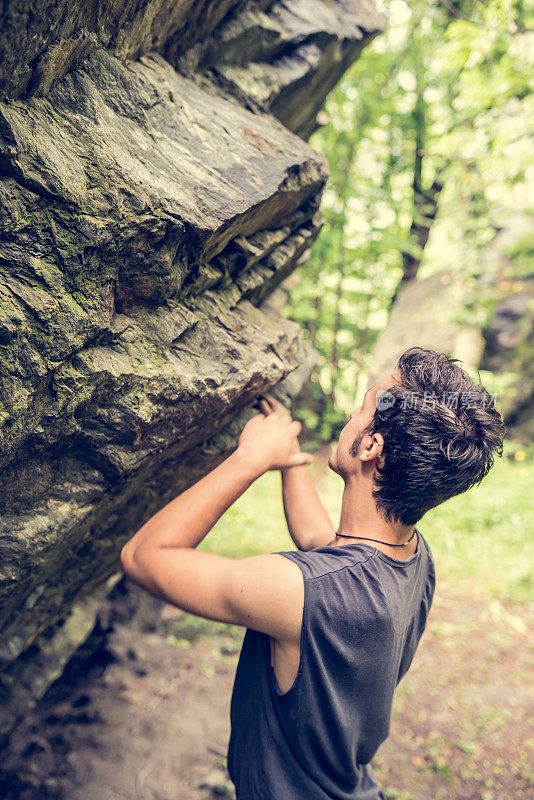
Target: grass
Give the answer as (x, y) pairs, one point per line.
(482, 541)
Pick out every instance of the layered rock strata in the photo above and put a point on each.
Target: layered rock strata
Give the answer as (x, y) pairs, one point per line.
(156, 189)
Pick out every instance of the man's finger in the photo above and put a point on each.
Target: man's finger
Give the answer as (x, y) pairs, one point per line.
(265, 407)
(276, 404)
(274, 408)
(267, 402)
(301, 458)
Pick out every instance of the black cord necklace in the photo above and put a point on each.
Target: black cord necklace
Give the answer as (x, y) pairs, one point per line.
(346, 536)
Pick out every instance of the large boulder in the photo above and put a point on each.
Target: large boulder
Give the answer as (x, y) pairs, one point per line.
(156, 189)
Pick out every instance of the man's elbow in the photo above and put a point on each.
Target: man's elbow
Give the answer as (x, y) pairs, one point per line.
(127, 559)
(136, 560)
(139, 570)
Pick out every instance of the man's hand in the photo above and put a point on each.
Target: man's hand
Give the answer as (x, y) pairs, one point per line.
(268, 405)
(269, 440)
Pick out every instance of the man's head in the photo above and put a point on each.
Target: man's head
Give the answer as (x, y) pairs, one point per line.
(436, 430)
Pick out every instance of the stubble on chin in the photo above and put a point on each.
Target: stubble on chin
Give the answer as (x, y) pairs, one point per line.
(332, 463)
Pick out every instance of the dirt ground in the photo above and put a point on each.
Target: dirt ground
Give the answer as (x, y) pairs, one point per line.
(148, 716)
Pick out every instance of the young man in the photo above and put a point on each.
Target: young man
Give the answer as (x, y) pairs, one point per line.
(333, 626)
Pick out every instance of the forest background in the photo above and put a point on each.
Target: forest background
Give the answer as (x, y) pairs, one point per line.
(430, 146)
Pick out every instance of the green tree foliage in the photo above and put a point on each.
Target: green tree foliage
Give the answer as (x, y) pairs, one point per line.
(429, 138)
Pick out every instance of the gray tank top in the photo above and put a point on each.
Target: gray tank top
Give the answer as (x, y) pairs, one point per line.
(364, 613)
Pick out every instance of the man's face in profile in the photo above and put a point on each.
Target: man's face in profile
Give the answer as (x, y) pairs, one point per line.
(341, 461)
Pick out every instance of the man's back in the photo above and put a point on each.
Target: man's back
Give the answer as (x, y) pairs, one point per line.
(364, 613)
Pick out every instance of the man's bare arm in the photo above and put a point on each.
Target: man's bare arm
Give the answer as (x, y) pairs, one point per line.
(307, 520)
(263, 592)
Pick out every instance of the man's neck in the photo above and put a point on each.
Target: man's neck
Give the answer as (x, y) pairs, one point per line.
(359, 518)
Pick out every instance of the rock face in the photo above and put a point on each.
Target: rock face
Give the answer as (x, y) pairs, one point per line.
(156, 188)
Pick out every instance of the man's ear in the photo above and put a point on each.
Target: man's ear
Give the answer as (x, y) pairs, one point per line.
(366, 448)
(371, 446)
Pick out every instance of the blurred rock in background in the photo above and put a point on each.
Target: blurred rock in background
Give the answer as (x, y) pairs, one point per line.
(437, 312)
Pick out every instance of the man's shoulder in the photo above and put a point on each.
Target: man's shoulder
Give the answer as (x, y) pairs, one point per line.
(429, 555)
(326, 560)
